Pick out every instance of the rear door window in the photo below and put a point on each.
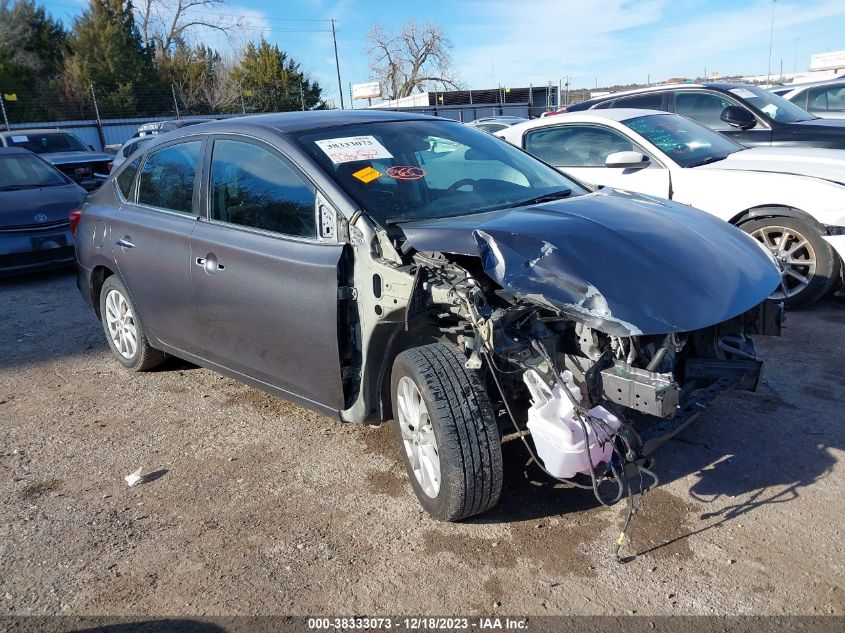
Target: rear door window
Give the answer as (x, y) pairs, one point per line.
(826, 99)
(167, 177)
(253, 187)
(651, 101)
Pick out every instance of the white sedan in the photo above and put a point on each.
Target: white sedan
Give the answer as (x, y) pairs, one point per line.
(791, 199)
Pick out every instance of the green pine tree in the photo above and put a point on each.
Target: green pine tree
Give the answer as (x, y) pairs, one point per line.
(107, 52)
(32, 47)
(270, 81)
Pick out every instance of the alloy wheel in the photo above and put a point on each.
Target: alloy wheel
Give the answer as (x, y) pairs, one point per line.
(418, 437)
(121, 324)
(795, 257)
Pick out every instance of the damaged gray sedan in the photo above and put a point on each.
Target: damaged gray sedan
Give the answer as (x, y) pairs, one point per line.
(377, 266)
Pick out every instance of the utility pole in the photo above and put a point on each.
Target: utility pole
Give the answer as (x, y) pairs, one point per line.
(795, 61)
(301, 94)
(99, 122)
(3, 107)
(175, 103)
(771, 39)
(337, 65)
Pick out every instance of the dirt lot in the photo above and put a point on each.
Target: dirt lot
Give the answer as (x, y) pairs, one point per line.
(254, 505)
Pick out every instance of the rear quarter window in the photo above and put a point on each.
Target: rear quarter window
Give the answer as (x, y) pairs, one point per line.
(126, 178)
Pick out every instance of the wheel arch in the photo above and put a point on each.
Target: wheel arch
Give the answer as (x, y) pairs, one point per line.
(774, 211)
(419, 332)
(98, 278)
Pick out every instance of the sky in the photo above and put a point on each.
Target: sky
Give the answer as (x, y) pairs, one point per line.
(520, 42)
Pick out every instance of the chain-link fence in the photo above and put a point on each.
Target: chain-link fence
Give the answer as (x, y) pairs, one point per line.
(103, 118)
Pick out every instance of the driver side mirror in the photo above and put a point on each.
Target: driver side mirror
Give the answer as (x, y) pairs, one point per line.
(627, 160)
(738, 117)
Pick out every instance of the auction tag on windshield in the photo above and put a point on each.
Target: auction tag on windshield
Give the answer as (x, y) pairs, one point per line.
(20, 139)
(352, 148)
(743, 92)
(368, 174)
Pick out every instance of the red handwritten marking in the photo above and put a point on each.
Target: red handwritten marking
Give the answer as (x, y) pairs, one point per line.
(405, 172)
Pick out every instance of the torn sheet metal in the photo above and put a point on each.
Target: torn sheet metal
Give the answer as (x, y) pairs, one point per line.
(621, 263)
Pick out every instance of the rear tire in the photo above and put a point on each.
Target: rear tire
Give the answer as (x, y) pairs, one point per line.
(123, 328)
(801, 253)
(447, 430)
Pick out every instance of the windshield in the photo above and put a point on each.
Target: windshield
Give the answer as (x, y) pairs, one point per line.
(19, 171)
(686, 142)
(47, 143)
(413, 170)
(773, 107)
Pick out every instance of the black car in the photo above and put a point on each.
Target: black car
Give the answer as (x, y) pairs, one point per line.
(749, 115)
(36, 200)
(65, 151)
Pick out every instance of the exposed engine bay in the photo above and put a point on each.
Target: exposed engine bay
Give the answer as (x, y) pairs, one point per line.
(595, 404)
(640, 375)
(599, 331)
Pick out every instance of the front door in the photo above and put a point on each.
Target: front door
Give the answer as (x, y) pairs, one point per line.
(581, 149)
(150, 237)
(265, 288)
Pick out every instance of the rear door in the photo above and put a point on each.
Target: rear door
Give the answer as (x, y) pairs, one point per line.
(265, 286)
(581, 149)
(705, 107)
(151, 240)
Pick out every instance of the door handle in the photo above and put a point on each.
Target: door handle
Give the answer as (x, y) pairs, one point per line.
(124, 242)
(209, 263)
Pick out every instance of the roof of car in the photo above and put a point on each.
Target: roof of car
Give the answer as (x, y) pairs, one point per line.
(14, 150)
(810, 84)
(587, 116)
(716, 85)
(301, 121)
(44, 130)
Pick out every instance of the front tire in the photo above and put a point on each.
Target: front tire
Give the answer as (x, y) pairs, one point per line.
(123, 329)
(808, 264)
(448, 433)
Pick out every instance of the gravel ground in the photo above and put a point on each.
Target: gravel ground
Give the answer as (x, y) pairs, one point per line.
(252, 505)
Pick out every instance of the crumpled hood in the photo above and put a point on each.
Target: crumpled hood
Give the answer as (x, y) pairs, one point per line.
(828, 164)
(63, 158)
(622, 263)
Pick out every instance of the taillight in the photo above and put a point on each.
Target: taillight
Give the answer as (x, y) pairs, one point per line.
(75, 217)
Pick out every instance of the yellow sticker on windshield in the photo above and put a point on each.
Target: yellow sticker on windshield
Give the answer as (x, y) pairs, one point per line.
(368, 174)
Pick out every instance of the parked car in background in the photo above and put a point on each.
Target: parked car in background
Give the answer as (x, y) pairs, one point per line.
(65, 151)
(385, 274)
(36, 200)
(495, 123)
(791, 199)
(747, 114)
(126, 150)
(162, 127)
(825, 99)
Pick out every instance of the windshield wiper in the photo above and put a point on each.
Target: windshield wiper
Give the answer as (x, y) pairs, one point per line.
(707, 161)
(546, 197)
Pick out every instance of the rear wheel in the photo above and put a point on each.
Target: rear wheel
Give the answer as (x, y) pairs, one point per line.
(123, 329)
(807, 263)
(449, 438)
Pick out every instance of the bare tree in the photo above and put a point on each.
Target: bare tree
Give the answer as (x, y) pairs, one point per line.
(164, 23)
(412, 59)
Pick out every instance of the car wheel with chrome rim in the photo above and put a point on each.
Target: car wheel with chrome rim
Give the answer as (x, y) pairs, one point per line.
(448, 435)
(123, 329)
(807, 263)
